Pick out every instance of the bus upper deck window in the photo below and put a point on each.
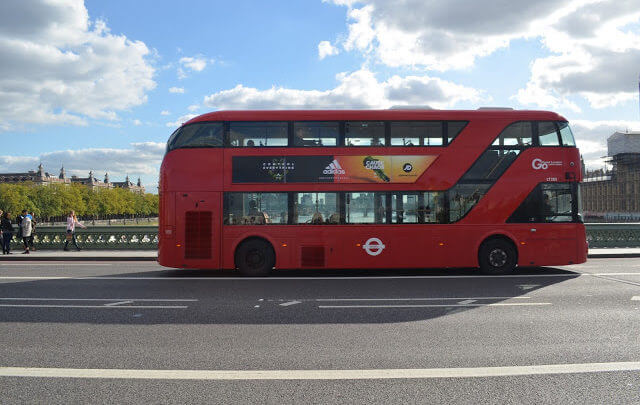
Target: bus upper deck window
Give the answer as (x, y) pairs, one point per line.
(566, 134)
(199, 135)
(250, 134)
(548, 134)
(315, 133)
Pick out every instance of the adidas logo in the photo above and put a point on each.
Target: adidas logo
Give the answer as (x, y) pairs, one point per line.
(333, 168)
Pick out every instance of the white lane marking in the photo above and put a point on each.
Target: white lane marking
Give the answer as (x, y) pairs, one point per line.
(635, 298)
(286, 304)
(213, 278)
(113, 304)
(519, 304)
(368, 374)
(61, 263)
(96, 299)
(467, 302)
(93, 306)
(528, 286)
(524, 297)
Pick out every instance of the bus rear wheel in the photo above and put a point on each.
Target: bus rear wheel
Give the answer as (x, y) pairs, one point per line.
(497, 256)
(255, 257)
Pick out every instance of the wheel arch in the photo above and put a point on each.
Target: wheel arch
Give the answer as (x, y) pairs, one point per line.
(246, 238)
(497, 236)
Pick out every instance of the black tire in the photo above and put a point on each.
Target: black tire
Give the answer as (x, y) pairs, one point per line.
(255, 257)
(497, 256)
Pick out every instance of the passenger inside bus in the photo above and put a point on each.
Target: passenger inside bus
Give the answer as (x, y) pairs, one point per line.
(256, 217)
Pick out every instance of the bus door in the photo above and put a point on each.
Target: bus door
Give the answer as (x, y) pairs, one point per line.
(198, 228)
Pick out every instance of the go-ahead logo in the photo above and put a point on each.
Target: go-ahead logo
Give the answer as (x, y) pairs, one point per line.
(373, 246)
(539, 164)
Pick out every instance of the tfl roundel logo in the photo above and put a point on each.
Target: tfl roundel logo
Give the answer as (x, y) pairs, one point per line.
(373, 246)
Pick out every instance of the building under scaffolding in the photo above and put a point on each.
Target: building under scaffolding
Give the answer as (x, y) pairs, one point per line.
(614, 195)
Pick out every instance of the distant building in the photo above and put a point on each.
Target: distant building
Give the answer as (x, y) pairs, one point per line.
(42, 178)
(614, 194)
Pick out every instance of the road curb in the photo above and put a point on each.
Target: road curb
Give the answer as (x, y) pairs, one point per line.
(613, 255)
(32, 258)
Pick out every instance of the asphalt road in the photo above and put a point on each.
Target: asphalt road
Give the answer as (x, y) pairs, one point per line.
(135, 332)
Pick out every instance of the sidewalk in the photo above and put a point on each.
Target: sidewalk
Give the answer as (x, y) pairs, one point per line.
(83, 255)
(151, 255)
(606, 253)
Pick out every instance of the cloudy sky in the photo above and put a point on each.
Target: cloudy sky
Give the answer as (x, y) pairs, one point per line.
(100, 85)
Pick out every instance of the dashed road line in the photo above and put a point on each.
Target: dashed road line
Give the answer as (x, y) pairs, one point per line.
(286, 304)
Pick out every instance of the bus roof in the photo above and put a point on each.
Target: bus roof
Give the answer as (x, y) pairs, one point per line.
(376, 115)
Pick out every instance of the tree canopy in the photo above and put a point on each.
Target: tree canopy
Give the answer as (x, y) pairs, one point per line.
(58, 199)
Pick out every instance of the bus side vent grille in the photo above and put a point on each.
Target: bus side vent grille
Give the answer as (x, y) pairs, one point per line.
(197, 235)
(312, 256)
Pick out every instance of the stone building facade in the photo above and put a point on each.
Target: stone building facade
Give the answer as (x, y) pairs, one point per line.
(615, 194)
(42, 178)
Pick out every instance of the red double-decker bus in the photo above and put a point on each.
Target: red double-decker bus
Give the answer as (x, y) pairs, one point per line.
(263, 190)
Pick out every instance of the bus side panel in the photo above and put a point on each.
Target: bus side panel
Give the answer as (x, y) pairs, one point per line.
(554, 244)
(197, 241)
(167, 231)
(348, 246)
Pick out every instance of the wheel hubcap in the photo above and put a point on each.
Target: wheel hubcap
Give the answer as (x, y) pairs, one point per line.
(255, 258)
(497, 258)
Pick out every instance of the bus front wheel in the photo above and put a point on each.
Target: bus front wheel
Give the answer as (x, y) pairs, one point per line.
(497, 256)
(255, 257)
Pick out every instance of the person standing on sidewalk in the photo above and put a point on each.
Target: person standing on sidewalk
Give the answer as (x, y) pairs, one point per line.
(26, 228)
(7, 233)
(33, 230)
(72, 221)
(1, 240)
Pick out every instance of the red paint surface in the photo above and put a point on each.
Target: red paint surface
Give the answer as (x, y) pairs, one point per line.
(190, 176)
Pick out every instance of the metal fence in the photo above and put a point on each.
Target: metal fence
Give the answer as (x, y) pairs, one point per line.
(146, 237)
(96, 238)
(613, 235)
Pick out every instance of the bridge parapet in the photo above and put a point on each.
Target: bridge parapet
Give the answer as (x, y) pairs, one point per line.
(96, 238)
(613, 235)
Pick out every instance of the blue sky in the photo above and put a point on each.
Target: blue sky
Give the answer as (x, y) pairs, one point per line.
(100, 85)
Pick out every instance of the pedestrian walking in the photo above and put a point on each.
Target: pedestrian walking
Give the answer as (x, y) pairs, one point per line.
(7, 233)
(18, 223)
(1, 240)
(25, 228)
(72, 222)
(33, 231)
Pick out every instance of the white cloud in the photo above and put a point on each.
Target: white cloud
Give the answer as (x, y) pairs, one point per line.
(137, 122)
(441, 35)
(359, 89)
(193, 64)
(141, 159)
(594, 44)
(193, 107)
(591, 138)
(165, 112)
(181, 120)
(326, 49)
(59, 67)
(178, 90)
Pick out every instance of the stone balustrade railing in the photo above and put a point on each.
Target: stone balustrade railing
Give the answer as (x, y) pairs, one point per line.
(146, 237)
